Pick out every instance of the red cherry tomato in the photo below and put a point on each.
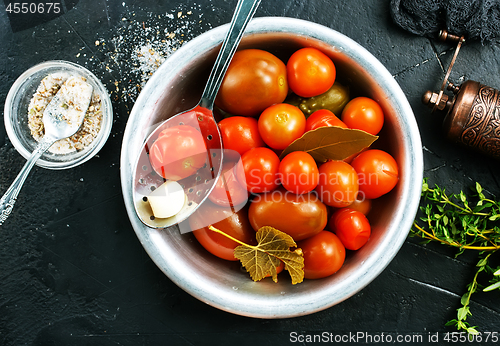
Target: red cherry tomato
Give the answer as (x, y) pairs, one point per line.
(255, 80)
(363, 113)
(298, 172)
(310, 72)
(178, 152)
(240, 134)
(338, 184)
(227, 191)
(377, 173)
(258, 170)
(351, 226)
(281, 124)
(324, 255)
(323, 118)
(234, 224)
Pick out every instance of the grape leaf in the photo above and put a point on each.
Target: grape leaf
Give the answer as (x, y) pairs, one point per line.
(331, 143)
(272, 248)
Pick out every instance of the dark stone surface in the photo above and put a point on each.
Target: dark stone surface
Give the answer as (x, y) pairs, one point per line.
(72, 271)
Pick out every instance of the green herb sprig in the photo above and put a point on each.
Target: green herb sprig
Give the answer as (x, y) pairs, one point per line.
(466, 223)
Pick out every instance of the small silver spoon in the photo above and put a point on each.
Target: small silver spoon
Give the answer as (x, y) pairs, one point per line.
(199, 185)
(62, 118)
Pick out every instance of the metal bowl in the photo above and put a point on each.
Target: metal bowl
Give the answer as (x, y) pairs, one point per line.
(16, 114)
(177, 85)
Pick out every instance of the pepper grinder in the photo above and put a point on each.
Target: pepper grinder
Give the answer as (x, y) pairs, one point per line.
(472, 113)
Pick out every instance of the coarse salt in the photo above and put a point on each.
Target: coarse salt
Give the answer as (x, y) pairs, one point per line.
(140, 47)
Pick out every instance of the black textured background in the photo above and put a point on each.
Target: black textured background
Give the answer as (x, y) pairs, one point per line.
(72, 271)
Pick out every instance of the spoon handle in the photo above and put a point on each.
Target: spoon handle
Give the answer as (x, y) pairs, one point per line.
(245, 9)
(9, 198)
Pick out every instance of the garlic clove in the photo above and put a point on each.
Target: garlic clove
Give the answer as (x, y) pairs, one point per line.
(167, 200)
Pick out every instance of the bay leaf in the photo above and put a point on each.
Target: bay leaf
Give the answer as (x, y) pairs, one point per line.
(331, 143)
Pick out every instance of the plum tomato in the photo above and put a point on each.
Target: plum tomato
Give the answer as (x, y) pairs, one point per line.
(255, 80)
(240, 134)
(299, 172)
(323, 118)
(338, 184)
(233, 224)
(258, 170)
(363, 113)
(310, 72)
(351, 226)
(300, 216)
(281, 124)
(324, 255)
(377, 173)
(227, 191)
(178, 152)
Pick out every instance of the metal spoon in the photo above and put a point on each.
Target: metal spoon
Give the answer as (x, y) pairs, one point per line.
(62, 118)
(199, 185)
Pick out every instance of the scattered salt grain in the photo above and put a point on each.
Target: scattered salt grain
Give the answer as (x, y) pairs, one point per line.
(139, 47)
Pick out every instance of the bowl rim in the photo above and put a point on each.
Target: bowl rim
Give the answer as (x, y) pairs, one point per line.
(370, 269)
(106, 124)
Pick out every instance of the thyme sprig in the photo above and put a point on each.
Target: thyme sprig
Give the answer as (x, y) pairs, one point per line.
(466, 223)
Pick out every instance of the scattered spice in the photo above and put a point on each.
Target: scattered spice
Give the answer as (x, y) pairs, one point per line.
(139, 47)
